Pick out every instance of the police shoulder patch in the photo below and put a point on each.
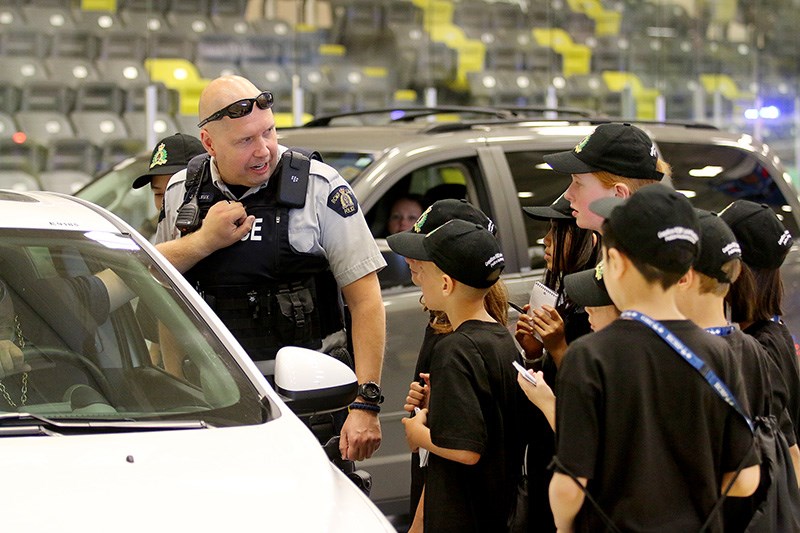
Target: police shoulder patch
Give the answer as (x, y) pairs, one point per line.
(343, 201)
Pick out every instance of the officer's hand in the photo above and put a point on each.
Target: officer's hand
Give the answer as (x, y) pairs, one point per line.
(361, 435)
(225, 224)
(11, 359)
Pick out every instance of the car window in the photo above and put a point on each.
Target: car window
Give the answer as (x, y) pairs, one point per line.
(87, 359)
(537, 185)
(349, 164)
(447, 179)
(714, 176)
(113, 191)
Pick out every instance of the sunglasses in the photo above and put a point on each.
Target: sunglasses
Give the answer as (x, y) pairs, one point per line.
(241, 108)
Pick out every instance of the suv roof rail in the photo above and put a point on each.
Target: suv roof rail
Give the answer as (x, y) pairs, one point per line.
(400, 114)
(408, 114)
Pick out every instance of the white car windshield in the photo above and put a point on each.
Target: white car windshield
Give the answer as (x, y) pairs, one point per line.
(96, 349)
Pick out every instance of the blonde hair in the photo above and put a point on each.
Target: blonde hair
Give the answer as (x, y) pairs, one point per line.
(608, 180)
(709, 285)
(495, 301)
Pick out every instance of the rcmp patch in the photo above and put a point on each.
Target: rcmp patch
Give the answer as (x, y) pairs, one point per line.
(343, 201)
(159, 157)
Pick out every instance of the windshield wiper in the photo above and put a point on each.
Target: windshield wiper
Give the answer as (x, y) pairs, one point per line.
(19, 424)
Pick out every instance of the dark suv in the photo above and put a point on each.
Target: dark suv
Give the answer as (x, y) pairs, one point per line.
(494, 158)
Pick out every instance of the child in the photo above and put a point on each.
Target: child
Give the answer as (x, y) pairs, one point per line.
(567, 249)
(471, 432)
(756, 296)
(586, 289)
(495, 302)
(613, 161)
(701, 297)
(636, 424)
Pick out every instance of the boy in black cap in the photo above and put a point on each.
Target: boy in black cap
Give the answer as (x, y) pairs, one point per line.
(636, 424)
(471, 429)
(756, 297)
(170, 155)
(613, 161)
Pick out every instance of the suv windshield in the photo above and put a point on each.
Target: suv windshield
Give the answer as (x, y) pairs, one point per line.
(87, 309)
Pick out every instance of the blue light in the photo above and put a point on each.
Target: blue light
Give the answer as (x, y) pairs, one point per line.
(770, 112)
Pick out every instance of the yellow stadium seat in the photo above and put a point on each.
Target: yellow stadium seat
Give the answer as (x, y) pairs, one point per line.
(471, 52)
(181, 75)
(435, 12)
(576, 58)
(645, 97)
(724, 84)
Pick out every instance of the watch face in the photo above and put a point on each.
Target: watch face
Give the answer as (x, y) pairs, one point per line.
(370, 391)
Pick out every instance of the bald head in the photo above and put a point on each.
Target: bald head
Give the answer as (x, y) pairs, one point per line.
(224, 91)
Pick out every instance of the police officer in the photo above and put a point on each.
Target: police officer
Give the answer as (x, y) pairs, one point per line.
(270, 260)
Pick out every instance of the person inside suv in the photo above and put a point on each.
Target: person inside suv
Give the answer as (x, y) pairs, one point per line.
(615, 160)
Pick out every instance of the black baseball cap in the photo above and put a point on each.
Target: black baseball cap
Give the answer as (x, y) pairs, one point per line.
(656, 225)
(464, 250)
(622, 149)
(451, 209)
(717, 246)
(170, 155)
(558, 210)
(587, 288)
(763, 238)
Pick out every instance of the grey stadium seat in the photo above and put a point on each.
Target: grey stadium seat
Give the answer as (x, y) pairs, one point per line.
(42, 126)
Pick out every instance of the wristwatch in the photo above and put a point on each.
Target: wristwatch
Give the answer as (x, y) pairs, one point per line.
(370, 392)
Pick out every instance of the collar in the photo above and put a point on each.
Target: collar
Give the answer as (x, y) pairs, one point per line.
(721, 331)
(223, 187)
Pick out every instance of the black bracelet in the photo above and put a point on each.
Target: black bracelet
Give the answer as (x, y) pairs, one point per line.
(365, 406)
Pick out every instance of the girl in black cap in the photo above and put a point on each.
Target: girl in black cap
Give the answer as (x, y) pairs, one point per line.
(568, 249)
(756, 297)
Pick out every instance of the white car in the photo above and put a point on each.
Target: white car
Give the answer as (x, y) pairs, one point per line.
(96, 436)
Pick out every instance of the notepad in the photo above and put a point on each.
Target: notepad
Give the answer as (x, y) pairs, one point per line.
(541, 295)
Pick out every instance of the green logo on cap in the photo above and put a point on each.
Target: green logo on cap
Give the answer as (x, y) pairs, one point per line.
(421, 221)
(160, 157)
(581, 144)
(598, 271)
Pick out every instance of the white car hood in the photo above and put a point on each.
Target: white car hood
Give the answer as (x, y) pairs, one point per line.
(228, 479)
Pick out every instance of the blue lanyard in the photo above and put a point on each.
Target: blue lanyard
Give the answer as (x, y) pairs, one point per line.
(689, 356)
(721, 331)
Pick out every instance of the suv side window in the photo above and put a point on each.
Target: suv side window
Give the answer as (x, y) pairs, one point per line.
(448, 179)
(537, 185)
(715, 176)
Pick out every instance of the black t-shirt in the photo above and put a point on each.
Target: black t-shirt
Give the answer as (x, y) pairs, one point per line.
(474, 405)
(764, 387)
(646, 429)
(777, 340)
(423, 366)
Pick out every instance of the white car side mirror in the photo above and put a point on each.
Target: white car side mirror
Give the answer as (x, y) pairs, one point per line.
(312, 382)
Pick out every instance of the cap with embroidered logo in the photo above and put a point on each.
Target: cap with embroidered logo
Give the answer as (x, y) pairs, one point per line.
(451, 209)
(170, 155)
(619, 148)
(587, 288)
(464, 250)
(656, 225)
(763, 238)
(718, 246)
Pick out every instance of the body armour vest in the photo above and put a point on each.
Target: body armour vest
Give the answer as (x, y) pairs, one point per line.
(265, 292)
